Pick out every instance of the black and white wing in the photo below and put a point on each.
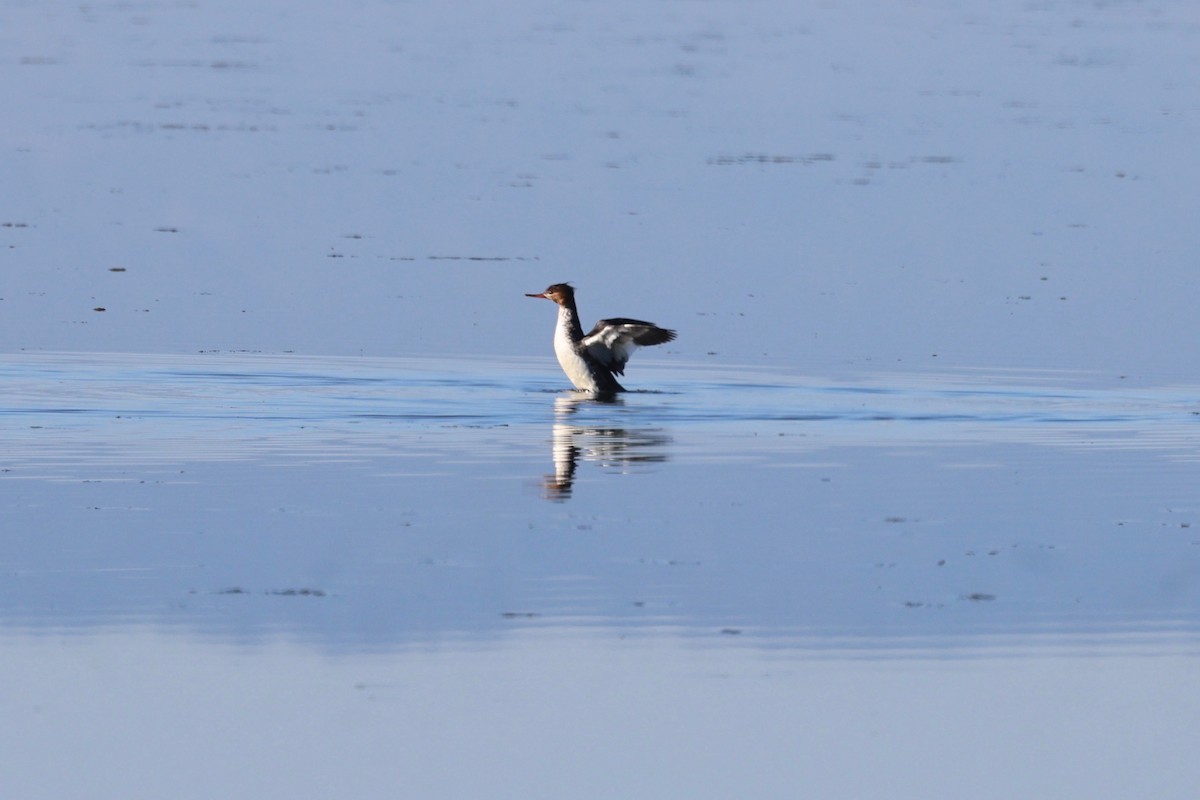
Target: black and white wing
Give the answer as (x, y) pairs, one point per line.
(613, 341)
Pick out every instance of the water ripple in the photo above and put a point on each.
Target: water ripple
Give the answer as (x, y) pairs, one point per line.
(232, 405)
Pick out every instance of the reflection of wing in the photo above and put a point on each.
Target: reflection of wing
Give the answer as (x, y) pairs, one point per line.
(613, 341)
(615, 449)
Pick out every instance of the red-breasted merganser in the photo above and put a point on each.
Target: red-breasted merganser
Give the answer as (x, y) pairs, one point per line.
(591, 360)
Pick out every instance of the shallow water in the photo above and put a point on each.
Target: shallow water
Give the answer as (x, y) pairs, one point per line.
(949, 507)
(406, 564)
(294, 503)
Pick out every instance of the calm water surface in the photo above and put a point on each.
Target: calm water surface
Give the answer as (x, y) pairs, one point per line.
(909, 508)
(372, 571)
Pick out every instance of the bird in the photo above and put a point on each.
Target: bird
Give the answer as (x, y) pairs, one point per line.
(591, 360)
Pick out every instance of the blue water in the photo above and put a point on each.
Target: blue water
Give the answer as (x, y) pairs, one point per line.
(228, 559)
(474, 496)
(294, 502)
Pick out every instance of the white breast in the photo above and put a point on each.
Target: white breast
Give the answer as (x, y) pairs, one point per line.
(570, 361)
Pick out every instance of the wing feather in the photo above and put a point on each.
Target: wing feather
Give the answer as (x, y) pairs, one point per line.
(613, 341)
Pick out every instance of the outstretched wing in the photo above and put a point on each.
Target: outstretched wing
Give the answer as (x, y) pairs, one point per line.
(613, 341)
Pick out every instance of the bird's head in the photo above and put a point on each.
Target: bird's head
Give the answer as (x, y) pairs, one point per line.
(561, 293)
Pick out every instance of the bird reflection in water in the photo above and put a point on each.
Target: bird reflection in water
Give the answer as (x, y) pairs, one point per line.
(619, 447)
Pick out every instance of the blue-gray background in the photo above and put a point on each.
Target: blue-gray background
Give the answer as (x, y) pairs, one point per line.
(293, 502)
(991, 184)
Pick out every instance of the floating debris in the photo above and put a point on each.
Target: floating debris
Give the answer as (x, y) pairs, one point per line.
(482, 258)
(764, 158)
(297, 592)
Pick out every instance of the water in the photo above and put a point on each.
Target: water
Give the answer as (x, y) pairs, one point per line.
(948, 500)
(294, 501)
(428, 548)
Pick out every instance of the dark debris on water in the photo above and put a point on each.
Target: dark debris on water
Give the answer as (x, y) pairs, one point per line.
(305, 592)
